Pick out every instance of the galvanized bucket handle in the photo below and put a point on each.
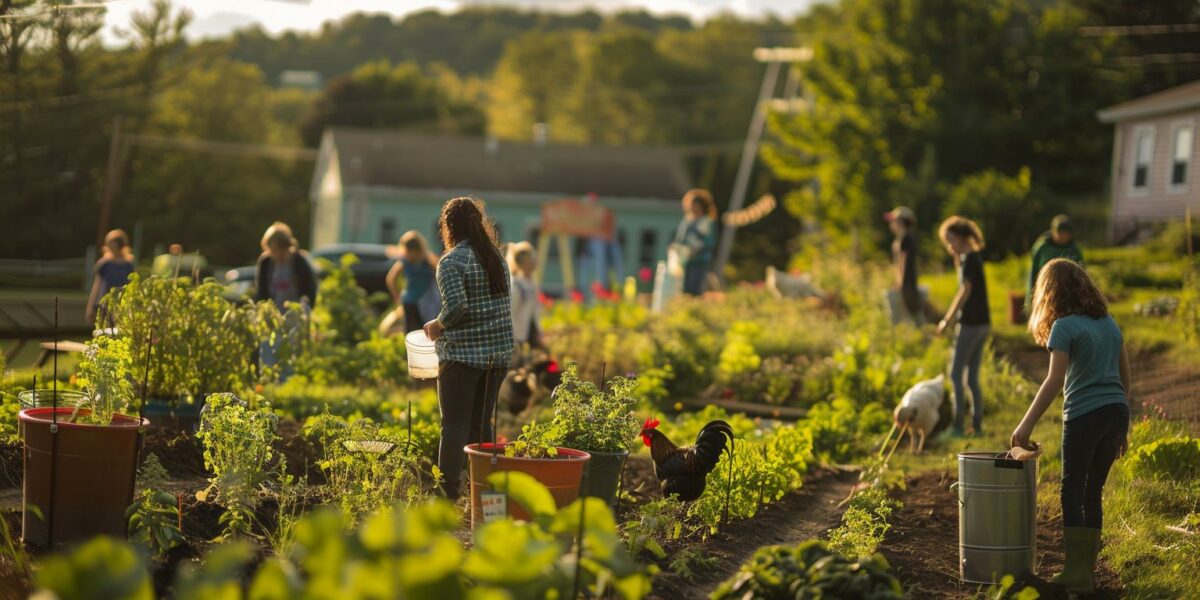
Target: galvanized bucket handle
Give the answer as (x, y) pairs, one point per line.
(953, 486)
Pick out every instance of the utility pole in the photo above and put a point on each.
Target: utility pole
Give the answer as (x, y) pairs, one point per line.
(775, 59)
(110, 181)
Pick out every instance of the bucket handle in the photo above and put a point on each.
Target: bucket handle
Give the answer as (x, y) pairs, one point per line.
(954, 486)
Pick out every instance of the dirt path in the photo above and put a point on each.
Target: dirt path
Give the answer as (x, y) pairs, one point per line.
(806, 513)
(922, 546)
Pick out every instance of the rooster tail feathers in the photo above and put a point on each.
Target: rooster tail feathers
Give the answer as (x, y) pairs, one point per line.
(715, 439)
(712, 427)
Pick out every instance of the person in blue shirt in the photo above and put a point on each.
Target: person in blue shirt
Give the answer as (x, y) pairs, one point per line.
(1089, 364)
(696, 239)
(112, 272)
(417, 266)
(473, 333)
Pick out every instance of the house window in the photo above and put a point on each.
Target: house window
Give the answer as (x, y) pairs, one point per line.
(1143, 154)
(1181, 156)
(387, 231)
(648, 248)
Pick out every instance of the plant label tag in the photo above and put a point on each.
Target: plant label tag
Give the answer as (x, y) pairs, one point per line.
(495, 506)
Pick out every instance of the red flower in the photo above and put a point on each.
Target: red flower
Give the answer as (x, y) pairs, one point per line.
(645, 274)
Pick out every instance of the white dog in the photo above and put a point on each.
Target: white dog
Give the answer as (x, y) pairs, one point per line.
(919, 410)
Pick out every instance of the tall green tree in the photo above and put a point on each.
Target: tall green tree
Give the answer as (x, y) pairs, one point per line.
(379, 94)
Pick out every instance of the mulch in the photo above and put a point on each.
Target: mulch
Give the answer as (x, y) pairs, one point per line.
(922, 546)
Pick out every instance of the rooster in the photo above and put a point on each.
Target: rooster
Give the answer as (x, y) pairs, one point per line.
(527, 383)
(684, 471)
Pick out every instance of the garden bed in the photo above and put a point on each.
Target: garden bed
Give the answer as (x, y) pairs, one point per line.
(922, 545)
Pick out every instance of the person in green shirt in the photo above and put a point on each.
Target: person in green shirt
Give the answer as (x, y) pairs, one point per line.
(1059, 242)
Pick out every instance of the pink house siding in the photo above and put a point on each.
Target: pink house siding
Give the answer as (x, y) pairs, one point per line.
(1160, 115)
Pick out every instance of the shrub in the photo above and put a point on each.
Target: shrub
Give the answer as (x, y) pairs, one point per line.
(342, 314)
(104, 374)
(595, 419)
(810, 570)
(239, 452)
(1173, 459)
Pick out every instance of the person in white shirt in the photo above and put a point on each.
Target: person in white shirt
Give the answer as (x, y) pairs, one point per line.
(526, 305)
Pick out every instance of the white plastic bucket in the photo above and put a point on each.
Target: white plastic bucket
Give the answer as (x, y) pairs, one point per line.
(422, 356)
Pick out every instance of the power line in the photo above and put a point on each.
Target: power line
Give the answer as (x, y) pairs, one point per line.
(1129, 30)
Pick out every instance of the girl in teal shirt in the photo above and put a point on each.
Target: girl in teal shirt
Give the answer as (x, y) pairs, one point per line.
(1088, 362)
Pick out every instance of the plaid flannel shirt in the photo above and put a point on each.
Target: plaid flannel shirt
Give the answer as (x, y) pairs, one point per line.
(478, 325)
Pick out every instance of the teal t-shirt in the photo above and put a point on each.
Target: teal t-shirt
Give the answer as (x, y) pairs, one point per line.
(1094, 369)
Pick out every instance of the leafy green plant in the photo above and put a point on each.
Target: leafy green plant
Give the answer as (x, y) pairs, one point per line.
(238, 450)
(104, 374)
(100, 569)
(535, 441)
(864, 523)
(595, 419)
(1004, 590)
(810, 571)
(738, 357)
(1175, 459)
(152, 474)
(366, 469)
(655, 524)
(152, 522)
(342, 315)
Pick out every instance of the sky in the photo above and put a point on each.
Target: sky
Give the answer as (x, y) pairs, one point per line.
(215, 18)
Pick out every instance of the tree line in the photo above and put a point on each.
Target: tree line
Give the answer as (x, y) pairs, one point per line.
(944, 105)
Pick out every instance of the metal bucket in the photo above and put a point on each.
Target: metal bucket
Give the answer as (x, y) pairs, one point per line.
(997, 516)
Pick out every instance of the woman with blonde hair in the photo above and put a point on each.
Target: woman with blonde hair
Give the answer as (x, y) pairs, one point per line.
(526, 307)
(1089, 364)
(284, 273)
(417, 265)
(969, 309)
(111, 272)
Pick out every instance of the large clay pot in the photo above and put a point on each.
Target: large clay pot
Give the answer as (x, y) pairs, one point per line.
(604, 475)
(561, 475)
(93, 470)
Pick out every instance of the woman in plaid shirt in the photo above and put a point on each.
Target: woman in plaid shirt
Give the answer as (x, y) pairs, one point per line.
(473, 332)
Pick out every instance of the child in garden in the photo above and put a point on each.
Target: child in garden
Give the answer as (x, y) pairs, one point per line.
(969, 309)
(112, 272)
(417, 265)
(474, 332)
(1088, 362)
(526, 308)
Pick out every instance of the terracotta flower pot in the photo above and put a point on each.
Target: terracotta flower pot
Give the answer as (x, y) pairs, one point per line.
(561, 475)
(92, 471)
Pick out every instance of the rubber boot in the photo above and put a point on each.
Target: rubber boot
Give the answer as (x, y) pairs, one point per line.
(1081, 545)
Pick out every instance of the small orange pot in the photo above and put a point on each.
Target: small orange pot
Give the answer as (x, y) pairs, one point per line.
(92, 476)
(561, 475)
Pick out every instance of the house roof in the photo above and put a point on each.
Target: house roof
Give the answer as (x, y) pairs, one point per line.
(375, 157)
(1171, 100)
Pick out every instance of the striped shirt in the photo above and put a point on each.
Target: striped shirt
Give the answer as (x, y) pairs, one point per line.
(478, 325)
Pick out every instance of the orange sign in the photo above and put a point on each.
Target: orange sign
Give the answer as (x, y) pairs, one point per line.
(582, 219)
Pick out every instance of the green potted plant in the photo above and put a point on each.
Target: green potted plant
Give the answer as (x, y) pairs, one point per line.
(534, 453)
(79, 458)
(600, 420)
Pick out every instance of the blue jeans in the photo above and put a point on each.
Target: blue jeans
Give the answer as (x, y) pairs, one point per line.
(964, 372)
(1090, 444)
(693, 277)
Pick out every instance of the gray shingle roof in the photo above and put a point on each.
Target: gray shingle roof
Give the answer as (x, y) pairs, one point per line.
(377, 157)
(1170, 100)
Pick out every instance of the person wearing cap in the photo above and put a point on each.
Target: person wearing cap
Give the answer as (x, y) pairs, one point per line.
(1056, 243)
(903, 222)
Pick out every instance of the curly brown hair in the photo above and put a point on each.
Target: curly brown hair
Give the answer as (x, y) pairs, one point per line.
(962, 227)
(1063, 289)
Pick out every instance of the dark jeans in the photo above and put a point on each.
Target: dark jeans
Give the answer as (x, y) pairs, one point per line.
(912, 302)
(964, 373)
(693, 278)
(1090, 444)
(412, 318)
(467, 398)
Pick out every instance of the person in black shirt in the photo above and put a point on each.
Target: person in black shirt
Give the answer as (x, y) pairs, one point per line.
(963, 240)
(903, 222)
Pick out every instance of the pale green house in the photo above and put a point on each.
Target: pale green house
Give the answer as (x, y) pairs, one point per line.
(370, 186)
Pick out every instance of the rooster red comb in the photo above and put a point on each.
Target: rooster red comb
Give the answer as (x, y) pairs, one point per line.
(647, 427)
